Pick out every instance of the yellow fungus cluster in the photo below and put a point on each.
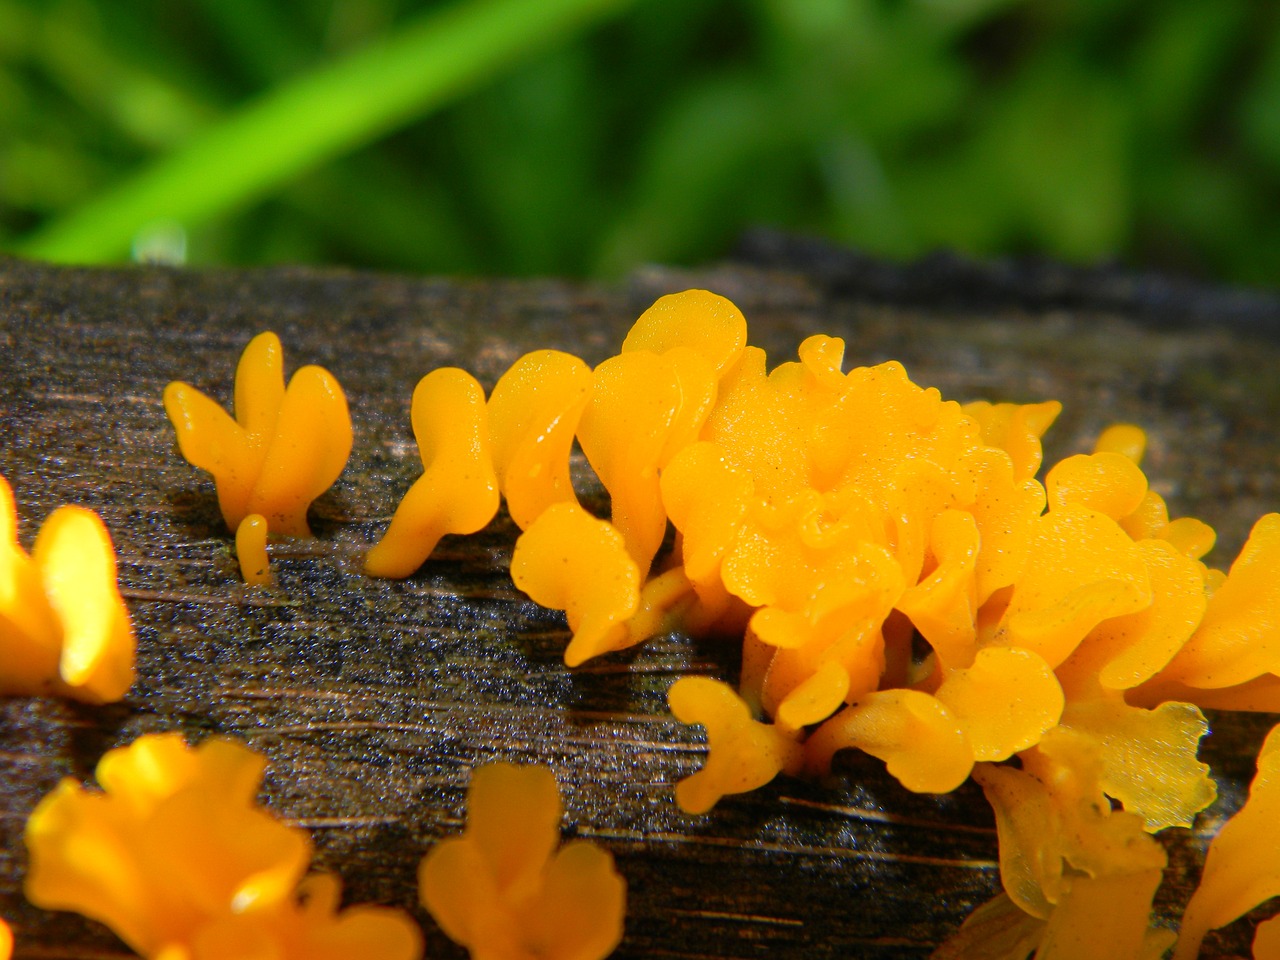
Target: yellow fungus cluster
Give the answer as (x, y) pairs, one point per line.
(903, 583)
(838, 519)
(284, 447)
(505, 892)
(1079, 876)
(64, 629)
(1083, 873)
(177, 858)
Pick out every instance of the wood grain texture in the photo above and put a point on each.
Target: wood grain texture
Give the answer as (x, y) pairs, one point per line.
(374, 699)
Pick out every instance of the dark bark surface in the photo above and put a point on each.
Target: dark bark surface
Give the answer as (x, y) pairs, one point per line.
(373, 699)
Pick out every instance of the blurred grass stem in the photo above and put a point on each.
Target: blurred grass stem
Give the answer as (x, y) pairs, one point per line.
(333, 109)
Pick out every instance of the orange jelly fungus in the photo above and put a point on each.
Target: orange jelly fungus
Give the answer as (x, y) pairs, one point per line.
(64, 628)
(177, 858)
(251, 549)
(458, 492)
(903, 582)
(505, 892)
(6, 941)
(744, 753)
(568, 560)
(533, 413)
(1067, 859)
(284, 447)
(1241, 869)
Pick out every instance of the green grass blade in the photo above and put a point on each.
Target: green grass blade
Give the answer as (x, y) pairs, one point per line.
(336, 108)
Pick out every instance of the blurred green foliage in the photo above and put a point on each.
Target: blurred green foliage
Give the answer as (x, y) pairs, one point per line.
(586, 136)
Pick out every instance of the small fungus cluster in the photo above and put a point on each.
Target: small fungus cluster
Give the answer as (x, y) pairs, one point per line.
(64, 628)
(284, 447)
(175, 855)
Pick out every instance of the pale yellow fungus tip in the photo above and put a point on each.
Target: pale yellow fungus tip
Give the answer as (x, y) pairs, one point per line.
(64, 628)
(1127, 439)
(176, 857)
(709, 324)
(1006, 700)
(458, 490)
(505, 892)
(283, 448)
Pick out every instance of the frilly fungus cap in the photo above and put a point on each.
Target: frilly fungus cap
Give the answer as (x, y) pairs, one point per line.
(64, 628)
(505, 892)
(176, 857)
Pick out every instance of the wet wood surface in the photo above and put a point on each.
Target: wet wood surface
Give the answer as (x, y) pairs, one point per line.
(374, 699)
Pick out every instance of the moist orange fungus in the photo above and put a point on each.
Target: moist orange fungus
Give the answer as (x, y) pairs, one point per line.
(283, 448)
(505, 892)
(177, 858)
(251, 548)
(903, 584)
(458, 493)
(1241, 870)
(64, 628)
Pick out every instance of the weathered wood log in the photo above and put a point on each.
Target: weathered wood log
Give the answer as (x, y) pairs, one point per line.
(373, 699)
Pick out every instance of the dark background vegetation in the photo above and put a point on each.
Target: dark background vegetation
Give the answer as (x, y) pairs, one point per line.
(583, 137)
